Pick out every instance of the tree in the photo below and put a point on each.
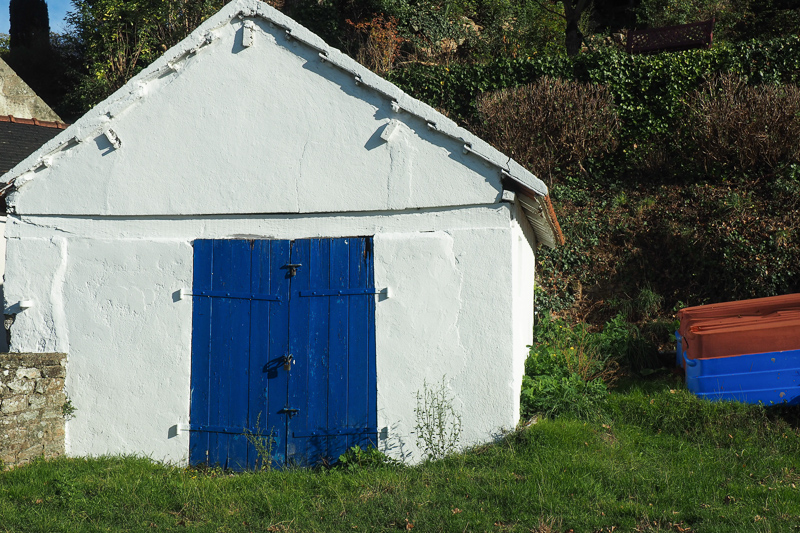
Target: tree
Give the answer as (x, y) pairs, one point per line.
(30, 24)
(29, 51)
(118, 38)
(573, 9)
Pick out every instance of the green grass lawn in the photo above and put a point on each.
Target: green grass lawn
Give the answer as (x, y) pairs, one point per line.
(657, 459)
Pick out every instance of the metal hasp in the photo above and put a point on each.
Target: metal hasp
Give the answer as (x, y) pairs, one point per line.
(289, 411)
(292, 268)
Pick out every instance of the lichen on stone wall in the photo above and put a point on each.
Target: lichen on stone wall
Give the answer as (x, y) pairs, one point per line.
(31, 406)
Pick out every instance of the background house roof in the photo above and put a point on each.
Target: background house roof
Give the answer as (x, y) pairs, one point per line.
(20, 137)
(19, 100)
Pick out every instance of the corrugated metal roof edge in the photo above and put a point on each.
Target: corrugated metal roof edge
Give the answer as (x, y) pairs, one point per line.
(539, 212)
(101, 116)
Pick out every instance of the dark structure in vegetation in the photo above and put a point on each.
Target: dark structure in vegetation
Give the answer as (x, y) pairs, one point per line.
(30, 24)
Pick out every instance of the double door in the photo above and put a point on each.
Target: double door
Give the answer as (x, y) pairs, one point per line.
(283, 351)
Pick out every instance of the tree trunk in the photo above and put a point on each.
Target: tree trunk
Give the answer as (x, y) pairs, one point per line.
(573, 39)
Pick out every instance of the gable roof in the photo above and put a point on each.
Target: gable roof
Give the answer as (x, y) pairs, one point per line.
(532, 192)
(19, 100)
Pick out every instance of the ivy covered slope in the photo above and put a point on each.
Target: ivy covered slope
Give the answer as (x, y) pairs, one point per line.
(675, 176)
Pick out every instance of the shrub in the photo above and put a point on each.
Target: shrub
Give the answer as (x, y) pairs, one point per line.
(379, 43)
(552, 396)
(551, 122)
(356, 458)
(567, 372)
(643, 306)
(561, 351)
(739, 126)
(624, 343)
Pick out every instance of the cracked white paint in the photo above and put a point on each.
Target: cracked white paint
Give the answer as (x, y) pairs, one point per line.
(37, 279)
(402, 155)
(57, 297)
(271, 142)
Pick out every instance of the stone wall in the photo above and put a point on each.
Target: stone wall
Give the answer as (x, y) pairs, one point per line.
(32, 404)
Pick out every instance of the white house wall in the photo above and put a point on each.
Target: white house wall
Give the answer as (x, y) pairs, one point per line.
(105, 291)
(523, 278)
(267, 129)
(446, 322)
(3, 342)
(219, 141)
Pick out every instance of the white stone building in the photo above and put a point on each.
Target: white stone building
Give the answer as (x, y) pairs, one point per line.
(258, 232)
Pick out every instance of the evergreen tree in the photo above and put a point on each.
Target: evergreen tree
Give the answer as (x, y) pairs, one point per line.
(30, 24)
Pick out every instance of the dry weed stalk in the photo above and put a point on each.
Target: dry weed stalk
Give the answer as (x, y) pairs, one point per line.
(380, 43)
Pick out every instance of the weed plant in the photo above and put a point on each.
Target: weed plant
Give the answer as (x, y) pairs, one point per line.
(438, 424)
(356, 458)
(262, 443)
(569, 369)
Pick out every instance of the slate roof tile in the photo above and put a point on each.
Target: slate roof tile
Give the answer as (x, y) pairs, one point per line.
(20, 137)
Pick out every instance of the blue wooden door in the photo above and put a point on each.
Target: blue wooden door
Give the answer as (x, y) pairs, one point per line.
(283, 349)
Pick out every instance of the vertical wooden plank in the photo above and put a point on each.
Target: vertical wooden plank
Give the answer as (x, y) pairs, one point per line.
(229, 351)
(259, 348)
(372, 374)
(278, 341)
(262, 281)
(217, 447)
(297, 452)
(319, 278)
(240, 355)
(338, 344)
(358, 342)
(201, 340)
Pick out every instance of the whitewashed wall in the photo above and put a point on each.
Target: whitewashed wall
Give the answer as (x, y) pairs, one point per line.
(110, 303)
(3, 342)
(270, 128)
(262, 142)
